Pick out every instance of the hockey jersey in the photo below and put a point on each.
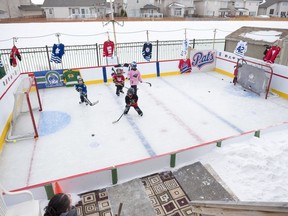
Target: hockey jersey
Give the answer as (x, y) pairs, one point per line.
(57, 53)
(240, 49)
(147, 51)
(118, 79)
(70, 77)
(185, 66)
(13, 54)
(81, 88)
(185, 45)
(108, 48)
(272, 54)
(134, 76)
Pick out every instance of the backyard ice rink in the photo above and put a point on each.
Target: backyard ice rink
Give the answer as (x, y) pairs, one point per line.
(179, 112)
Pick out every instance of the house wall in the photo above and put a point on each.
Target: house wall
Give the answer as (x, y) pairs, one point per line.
(31, 13)
(163, 5)
(283, 8)
(199, 8)
(11, 7)
(275, 8)
(57, 12)
(262, 11)
(209, 8)
(253, 7)
(212, 8)
(133, 7)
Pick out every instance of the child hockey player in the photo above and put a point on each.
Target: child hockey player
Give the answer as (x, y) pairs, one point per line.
(82, 89)
(131, 99)
(134, 76)
(118, 79)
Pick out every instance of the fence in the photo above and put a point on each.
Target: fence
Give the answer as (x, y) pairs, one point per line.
(79, 56)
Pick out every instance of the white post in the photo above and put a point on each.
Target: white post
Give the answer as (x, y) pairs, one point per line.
(113, 26)
(214, 38)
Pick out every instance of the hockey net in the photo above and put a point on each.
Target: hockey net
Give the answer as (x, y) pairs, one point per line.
(27, 105)
(254, 76)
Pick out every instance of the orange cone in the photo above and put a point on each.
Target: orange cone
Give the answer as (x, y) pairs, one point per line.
(57, 188)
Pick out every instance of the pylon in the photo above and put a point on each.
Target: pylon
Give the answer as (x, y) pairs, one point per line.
(57, 188)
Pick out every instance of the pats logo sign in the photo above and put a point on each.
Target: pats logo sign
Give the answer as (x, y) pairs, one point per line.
(203, 60)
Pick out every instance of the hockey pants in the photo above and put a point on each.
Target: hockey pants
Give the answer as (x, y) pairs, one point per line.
(138, 110)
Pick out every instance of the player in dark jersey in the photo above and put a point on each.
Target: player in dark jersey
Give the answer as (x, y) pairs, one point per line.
(131, 99)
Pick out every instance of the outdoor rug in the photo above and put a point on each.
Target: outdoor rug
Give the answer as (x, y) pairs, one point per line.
(94, 203)
(167, 195)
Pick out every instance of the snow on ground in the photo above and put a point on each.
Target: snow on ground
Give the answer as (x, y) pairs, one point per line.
(82, 33)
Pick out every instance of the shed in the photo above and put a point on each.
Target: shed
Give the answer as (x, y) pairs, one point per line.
(258, 39)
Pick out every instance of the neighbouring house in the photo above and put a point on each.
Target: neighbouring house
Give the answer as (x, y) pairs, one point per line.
(155, 8)
(224, 8)
(274, 8)
(150, 10)
(17, 9)
(212, 8)
(257, 41)
(76, 9)
(245, 7)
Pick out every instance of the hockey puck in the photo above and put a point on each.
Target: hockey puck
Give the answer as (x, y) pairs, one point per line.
(208, 91)
(92, 134)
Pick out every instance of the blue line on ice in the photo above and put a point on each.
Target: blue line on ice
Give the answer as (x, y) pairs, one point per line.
(136, 129)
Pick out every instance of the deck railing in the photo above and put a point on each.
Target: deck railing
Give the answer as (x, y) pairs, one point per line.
(239, 208)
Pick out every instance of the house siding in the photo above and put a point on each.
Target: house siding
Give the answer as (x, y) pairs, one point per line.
(133, 6)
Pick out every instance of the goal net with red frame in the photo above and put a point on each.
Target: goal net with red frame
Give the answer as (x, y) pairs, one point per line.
(254, 76)
(27, 105)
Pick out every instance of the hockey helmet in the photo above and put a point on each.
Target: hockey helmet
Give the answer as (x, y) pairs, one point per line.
(119, 71)
(133, 64)
(80, 80)
(130, 92)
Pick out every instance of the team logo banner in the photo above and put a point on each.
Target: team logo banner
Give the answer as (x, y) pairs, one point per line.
(203, 60)
(49, 79)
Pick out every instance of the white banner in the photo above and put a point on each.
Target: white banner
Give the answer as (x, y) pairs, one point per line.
(203, 60)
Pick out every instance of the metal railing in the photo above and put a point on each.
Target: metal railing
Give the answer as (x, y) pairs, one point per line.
(79, 56)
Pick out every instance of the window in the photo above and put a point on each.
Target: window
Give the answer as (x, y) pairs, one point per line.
(178, 12)
(50, 10)
(271, 12)
(75, 11)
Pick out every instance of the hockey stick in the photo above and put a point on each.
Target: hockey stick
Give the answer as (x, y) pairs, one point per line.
(118, 119)
(148, 83)
(89, 102)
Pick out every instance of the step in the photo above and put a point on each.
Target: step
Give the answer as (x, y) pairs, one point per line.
(199, 184)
